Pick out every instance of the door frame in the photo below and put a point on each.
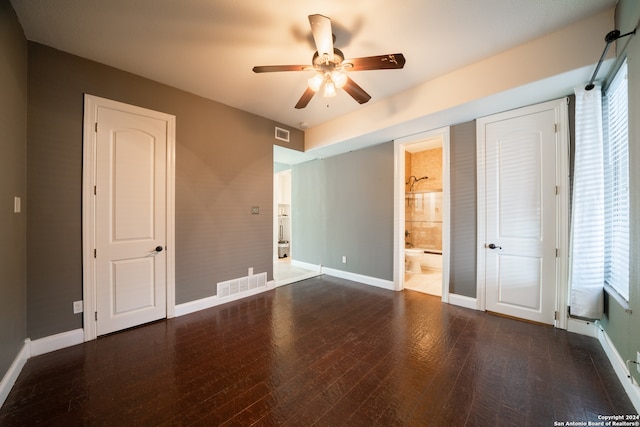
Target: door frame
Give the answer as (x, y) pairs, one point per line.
(560, 108)
(89, 283)
(399, 213)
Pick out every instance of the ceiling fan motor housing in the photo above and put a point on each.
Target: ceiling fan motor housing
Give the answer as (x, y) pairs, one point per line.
(324, 64)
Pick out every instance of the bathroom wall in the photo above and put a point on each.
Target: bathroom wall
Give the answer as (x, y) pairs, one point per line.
(426, 163)
(423, 200)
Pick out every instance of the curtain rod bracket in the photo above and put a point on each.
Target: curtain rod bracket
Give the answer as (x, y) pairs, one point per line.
(609, 38)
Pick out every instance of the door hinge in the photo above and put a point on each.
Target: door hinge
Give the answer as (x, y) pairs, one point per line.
(95, 190)
(557, 252)
(95, 315)
(555, 128)
(95, 253)
(555, 315)
(96, 127)
(557, 190)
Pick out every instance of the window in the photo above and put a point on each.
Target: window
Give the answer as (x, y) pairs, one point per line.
(616, 183)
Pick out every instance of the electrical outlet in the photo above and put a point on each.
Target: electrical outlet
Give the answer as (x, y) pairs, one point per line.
(638, 361)
(77, 307)
(344, 259)
(250, 271)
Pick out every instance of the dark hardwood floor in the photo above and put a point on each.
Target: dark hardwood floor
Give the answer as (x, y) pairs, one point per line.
(326, 352)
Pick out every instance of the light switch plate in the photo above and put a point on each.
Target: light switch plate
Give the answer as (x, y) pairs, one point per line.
(77, 307)
(17, 208)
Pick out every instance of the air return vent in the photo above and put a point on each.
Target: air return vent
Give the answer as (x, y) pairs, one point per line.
(282, 134)
(243, 286)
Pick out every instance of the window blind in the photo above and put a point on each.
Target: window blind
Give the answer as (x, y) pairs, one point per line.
(616, 169)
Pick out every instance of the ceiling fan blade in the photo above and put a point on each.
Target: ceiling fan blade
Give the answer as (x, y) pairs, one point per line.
(273, 68)
(392, 61)
(322, 35)
(356, 91)
(305, 98)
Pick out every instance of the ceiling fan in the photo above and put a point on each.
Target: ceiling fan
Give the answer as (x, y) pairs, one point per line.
(331, 66)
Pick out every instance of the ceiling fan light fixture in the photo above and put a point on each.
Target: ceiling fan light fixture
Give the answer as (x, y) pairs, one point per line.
(315, 82)
(329, 89)
(339, 78)
(331, 67)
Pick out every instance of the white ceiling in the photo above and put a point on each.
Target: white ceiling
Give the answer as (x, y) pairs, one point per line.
(208, 47)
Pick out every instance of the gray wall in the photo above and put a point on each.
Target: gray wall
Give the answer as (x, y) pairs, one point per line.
(343, 205)
(224, 166)
(623, 327)
(462, 260)
(13, 135)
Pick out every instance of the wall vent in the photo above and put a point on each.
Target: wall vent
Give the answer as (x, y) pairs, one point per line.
(282, 134)
(242, 286)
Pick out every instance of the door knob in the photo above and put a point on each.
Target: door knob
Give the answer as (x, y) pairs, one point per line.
(493, 246)
(159, 248)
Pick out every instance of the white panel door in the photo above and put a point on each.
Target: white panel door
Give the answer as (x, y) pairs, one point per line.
(520, 200)
(131, 152)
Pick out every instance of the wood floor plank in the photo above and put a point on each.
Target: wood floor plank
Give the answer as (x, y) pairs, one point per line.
(324, 351)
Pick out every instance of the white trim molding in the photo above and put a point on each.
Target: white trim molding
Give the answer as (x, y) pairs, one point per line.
(619, 366)
(367, 280)
(12, 374)
(213, 301)
(582, 327)
(463, 301)
(307, 266)
(56, 342)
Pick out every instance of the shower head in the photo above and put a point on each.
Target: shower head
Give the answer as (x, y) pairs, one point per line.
(415, 180)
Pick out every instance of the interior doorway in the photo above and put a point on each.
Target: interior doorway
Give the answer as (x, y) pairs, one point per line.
(421, 212)
(282, 215)
(286, 269)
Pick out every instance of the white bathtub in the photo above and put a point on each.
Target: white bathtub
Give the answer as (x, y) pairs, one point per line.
(431, 259)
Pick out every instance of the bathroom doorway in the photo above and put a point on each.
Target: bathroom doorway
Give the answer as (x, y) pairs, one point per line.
(422, 213)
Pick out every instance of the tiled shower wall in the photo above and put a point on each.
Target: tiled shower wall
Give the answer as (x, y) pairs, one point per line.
(423, 205)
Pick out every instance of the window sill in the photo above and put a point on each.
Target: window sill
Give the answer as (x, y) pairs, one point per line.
(616, 296)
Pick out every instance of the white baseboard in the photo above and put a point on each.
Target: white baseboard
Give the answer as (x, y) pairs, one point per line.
(367, 280)
(306, 265)
(56, 342)
(620, 367)
(582, 327)
(463, 301)
(208, 302)
(12, 374)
